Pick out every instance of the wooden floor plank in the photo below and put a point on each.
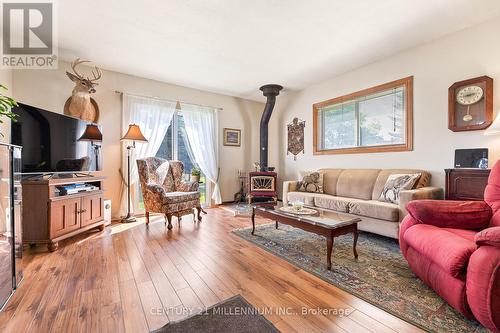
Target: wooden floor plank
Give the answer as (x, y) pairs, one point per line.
(132, 308)
(137, 265)
(215, 284)
(124, 269)
(283, 327)
(37, 298)
(111, 315)
(59, 288)
(163, 287)
(204, 293)
(31, 276)
(153, 308)
(167, 265)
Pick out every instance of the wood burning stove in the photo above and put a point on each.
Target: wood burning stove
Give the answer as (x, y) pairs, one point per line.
(262, 187)
(262, 184)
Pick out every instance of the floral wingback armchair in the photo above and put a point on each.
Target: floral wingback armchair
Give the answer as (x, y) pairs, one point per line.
(164, 191)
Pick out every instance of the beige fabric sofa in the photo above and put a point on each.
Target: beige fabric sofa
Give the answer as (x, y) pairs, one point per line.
(356, 192)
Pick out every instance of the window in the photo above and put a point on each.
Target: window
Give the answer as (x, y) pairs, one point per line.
(175, 146)
(372, 120)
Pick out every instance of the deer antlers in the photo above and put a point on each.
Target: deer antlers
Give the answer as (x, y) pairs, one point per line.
(96, 72)
(97, 75)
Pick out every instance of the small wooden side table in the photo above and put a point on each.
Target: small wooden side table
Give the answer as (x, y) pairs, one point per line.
(466, 184)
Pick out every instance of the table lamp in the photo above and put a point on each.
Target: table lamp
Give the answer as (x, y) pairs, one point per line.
(93, 134)
(494, 128)
(133, 134)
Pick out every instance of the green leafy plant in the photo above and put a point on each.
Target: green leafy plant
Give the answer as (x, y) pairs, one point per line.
(195, 172)
(6, 105)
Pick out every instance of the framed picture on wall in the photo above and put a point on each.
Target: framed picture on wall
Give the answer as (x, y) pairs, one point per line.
(232, 137)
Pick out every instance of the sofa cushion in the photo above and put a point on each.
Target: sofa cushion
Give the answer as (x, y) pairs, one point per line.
(383, 175)
(466, 234)
(489, 236)
(311, 181)
(446, 249)
(396, 183)
(306, 197)
(357, 183)
(330, 178)
(339, 204)
(176, 197)
(375, 209)
(450, 213)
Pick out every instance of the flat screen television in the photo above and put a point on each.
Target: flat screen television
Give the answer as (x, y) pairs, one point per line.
(50, 142)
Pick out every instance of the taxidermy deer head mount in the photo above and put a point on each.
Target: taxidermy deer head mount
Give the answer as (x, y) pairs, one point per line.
(80, 104)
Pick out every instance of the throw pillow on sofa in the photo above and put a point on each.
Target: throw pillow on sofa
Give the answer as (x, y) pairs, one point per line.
(397, 183)
(311, 182)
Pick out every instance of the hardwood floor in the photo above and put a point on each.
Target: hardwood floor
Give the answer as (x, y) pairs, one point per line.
(119, 280)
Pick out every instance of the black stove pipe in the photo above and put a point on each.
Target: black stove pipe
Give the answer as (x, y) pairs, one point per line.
(270, 91)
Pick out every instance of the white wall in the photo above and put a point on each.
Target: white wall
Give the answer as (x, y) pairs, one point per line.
(49, 89)
(435, 66)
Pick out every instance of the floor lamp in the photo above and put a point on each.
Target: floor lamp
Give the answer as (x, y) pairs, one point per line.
(93, 134)
(133, 134)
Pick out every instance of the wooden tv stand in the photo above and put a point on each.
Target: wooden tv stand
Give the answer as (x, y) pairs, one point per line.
(49, 217)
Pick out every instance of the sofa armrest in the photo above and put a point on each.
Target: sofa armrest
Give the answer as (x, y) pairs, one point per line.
(451, 214)
(483, 286)
(488, 236)
(406, 224)
(433, 193)
(154, 188)
(288, 186)
(154, 193)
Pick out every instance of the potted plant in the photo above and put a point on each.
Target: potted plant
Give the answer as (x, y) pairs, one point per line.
(195, 175)
(6, 105)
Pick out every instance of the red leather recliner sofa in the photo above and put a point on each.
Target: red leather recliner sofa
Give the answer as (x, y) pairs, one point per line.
(454, 247)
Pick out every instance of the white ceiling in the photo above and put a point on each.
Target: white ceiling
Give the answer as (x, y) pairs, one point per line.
(235, 46)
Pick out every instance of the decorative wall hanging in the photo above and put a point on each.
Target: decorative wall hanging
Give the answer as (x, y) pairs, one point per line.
(470, 104)
(80, 104)
(296, 137)
(232, 137)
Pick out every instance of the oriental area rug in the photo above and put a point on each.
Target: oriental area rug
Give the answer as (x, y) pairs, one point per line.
(380, 276)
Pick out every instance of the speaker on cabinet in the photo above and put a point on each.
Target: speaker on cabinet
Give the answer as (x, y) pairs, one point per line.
(107, 212)
(471, 158)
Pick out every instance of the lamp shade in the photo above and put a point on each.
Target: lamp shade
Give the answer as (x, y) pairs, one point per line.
(134, 134)
(92, 133)
(494, 129)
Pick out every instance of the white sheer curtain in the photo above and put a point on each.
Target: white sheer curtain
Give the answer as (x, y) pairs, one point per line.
(153, 117)
(201, 130)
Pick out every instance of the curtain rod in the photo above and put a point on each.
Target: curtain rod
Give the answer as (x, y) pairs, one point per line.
(166, 99)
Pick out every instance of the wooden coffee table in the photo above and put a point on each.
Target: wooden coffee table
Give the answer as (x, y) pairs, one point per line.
(325, 223)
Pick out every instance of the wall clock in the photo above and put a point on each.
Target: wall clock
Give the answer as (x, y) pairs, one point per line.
(470, 104)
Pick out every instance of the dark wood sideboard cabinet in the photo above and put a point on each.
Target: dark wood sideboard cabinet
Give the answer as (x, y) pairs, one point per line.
(49, 217)
(466, 184)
